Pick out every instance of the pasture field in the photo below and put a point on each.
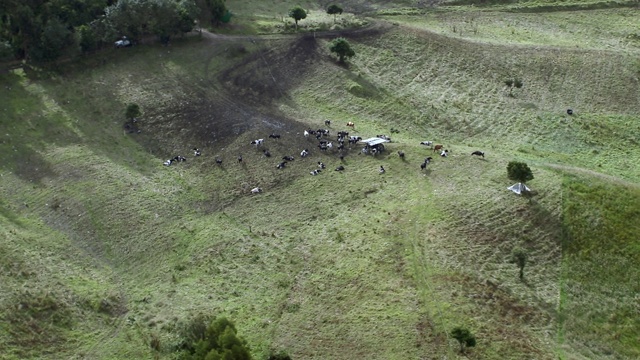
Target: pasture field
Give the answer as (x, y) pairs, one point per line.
(107, 254)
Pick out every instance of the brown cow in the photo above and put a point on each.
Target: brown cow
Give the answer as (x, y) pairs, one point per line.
(350, 124)
(437, 147)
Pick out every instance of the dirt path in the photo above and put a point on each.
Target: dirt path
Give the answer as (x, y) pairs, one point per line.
(583, 171)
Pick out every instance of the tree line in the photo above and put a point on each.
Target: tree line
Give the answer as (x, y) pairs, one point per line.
(44, 30)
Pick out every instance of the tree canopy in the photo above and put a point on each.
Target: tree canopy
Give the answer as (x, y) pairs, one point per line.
(333, 10)
(342, 48)
(297, 13)
(44, 30)
(464, 337)
(519, 171)
(218, 342)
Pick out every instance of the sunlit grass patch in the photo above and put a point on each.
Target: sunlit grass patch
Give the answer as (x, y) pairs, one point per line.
(601, 256)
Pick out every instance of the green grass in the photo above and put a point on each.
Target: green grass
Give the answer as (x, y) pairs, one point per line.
(104, 249)
(601, 249)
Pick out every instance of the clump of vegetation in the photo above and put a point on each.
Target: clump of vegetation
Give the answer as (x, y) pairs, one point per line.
(464, 337)
(519, 257)
(342, 48)
(519, 171)
(132, 112)
(334, 10)
(216, 341)
(297, 13)
(513, 83)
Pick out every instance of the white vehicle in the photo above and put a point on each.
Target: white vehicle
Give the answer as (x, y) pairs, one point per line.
(124, 42)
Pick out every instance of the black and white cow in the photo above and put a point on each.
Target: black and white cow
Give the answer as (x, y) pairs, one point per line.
(315, 172)
(287, 158)
(281, 165)
(257, 142)
(196, 152)
(426, 143)
(478, 153)
(304, 153)
(340, 168)
(256, 190)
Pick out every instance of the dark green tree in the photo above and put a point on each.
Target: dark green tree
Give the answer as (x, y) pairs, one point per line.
(334, 10)
(87, 38)
(464, 337)
(513, 83)
(519, 171)
(342, 48)
(218, 342)
(519, 257)
(212, 11)
(297, 13)
(133, 111)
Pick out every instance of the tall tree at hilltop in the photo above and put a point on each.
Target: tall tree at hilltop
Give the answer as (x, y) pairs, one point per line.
(333, 10)
(297, 13)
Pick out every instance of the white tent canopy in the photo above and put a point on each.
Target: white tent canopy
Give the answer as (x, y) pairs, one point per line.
(518, 188)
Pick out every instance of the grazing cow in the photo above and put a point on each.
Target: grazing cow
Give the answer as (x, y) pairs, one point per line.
(266, 153)
(239, 158)
(321, 165)
(354, 139)
(341, 146)
(351, 124)
(274, 136)
(423, 165)
(444, 153)
(382, 170)
(428, 160)
(401, 154)
(304, 153)
(287, 158)
(180, 158)
(330, 145)
(218, 161)
(427, 143)
(438, 147)
(569, 111)
(478, 153)
(340, 168)
(256, 190)
(323, 147)
(342, 134)
(327, 122)
(196, 152)
(315, 172)
(168, 162)
(257, 142)
(281, 165)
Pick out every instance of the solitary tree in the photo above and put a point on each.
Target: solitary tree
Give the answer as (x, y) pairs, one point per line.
(333, 10)
(464, 337)
(520, 258)
(519, 171)
(219, 341)
(297, 13)
(133, 111)
(511, 83)
(342, 48)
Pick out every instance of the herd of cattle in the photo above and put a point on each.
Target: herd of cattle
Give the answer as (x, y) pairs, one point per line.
(324, 144)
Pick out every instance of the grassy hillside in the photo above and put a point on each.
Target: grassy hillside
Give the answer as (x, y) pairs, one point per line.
(106, 253)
